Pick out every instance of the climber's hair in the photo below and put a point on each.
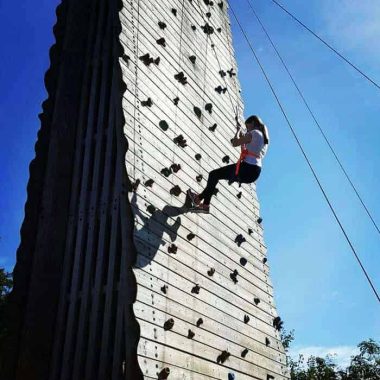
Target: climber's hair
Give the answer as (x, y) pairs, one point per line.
(254, 119)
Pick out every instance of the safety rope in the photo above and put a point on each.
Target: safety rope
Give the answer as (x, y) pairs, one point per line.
(315, 119)
(304, 153)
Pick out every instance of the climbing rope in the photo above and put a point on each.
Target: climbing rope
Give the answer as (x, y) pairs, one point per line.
(304, 153)
(340, 55)
(315, 119)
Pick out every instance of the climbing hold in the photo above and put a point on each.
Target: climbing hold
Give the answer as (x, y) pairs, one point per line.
(246, 319)
(223, 357)
(265, 260)
(199, 322)
(163, 125)
(233, 276)
(198, 112)
(267, 341)
(278, 323)
(176, 190)
(149, 183)
(151, 209)
(211, 272)
(208, 14)
(208, 2)
(198, 156)
(256, 301)
(222, 73)
(213, 127)
(176, 101)
(231, 72)
(168, 325)
(180, 141)
(259, 221)
(216, 191)
(192, 59)
(164, 374)
(244, 353)
(239, 195)
(164, 289)
(193, 27)
(135, 185)
(240, 239)
(250, 231)
(219, 30)
(221, 5)
(208, 29)
(243, 261)
(190, 236)
(231, 376)
(190, 334)
(126, 58)
(161, 41)
(213, 45)
(175, 167)
(226, 159)
(166, 172)
(162, 25)
(147, 59)
(199, 177)
(147, 103)
(195, 289)
(270, 377)
(208, 108)
(180, 77)
(174, 11)
(221, 89)
(173, 249)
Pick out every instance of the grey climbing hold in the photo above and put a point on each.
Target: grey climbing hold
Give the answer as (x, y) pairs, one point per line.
(208, 108)
(211, 272)
(240, 239)
(198, 112)
(226, 159)
(162, 25)
(164, 289)
(213, 127)
(164, 374)
(163, 125)
(244, 353)
(151, 209)
(173, 249)
(180, 141)
(246, 319)
(149, 183)
(176, 190)
(190, 236)
(199, 322)
(195, 289)
(147, 103)
(243, 261)
(190, 334)
(161, 41)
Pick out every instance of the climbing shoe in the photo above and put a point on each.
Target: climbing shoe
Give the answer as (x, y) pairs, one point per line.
(201, 209)
(194, 197)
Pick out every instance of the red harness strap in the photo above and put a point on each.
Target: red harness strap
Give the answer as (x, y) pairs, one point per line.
(244, 153)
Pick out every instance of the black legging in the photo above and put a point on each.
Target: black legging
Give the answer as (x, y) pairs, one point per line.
(248, 173)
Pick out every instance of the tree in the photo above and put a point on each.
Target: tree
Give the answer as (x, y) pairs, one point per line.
(6, 284)
(366, 365)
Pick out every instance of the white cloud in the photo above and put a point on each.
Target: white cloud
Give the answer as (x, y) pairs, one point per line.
(353, 25)
(341, 355)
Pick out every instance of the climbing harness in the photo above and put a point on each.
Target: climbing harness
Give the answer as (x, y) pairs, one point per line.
(243, 155)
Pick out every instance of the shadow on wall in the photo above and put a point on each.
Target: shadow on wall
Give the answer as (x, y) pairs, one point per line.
(149, 235)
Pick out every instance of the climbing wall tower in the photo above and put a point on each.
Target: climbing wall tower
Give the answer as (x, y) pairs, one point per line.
(115, 279)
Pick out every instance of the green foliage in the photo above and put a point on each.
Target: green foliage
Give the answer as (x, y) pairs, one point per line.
(6, 283)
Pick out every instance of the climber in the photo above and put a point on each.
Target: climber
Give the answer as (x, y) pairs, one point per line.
(254, 145)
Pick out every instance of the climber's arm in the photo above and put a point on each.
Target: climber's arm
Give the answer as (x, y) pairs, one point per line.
(243, 139)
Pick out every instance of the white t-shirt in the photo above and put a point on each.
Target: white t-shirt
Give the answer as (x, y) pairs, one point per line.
(257, 146)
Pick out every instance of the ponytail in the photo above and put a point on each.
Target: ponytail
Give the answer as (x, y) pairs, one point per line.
(260, 126)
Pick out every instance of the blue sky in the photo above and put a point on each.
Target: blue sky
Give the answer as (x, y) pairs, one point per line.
(320, 290)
